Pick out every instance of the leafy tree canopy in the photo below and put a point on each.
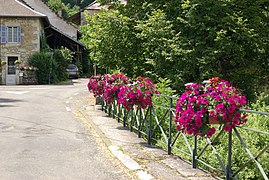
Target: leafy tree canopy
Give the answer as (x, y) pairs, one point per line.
(185, 40)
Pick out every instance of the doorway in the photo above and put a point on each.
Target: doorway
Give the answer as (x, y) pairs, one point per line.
(11, 70)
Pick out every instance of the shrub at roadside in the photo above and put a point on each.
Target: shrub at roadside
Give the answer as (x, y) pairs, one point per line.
(46, 67)
(51, 65)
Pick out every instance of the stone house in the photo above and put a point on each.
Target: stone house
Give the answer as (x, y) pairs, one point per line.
(19, 37)
(20, 33)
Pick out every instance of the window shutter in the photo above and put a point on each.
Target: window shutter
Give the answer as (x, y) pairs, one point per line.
(3, 34)
(19, 34)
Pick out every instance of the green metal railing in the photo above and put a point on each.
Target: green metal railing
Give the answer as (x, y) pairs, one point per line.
(156, 125)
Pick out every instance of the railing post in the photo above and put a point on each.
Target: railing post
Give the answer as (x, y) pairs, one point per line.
(150, 125)
(140, 123)
(194, 153)
(103, 105)
(113, 112)
(109, 109)
(131, 121)
(118, 112)
(170, 127)
(229, 165)
(125, 118)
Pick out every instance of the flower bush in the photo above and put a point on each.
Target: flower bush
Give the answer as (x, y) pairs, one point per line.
(114, 83)
(96, 85)
(121, 88)
(138, 93)
(216, 99)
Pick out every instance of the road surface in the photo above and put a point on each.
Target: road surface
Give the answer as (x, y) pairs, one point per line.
(41, 138)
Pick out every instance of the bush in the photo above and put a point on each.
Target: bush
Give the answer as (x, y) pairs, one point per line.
(46, 65)
(51, 65)
(63, 58)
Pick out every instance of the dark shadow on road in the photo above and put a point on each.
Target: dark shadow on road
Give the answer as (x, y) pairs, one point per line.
(4, 101)
(145, 144)
(6, 106)
(122, 128)
(7, 100)
(64, 83)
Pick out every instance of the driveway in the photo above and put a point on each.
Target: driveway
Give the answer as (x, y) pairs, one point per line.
(41, 138)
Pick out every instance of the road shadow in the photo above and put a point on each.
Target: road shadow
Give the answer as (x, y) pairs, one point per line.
(4, 101)
(122, 128)
(64, 83)
(8, 100)
(6, 106)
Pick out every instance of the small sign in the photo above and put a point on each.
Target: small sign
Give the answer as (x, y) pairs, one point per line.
(21, 74)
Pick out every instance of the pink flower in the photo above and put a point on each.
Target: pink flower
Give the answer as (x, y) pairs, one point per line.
(218, 99)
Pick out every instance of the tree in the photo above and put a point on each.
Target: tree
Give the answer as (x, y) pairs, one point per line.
(105, 36)
(158, 42)
(224, 42)
(55, 5)
(187, 41)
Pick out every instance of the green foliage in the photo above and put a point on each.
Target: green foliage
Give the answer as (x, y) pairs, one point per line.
(87, 65)
(62, 57)
(80, 3)
(46, 67)
(69, 10)
(164, 87)
(51, 65)
(104, 31)
(67, 55)
(157, 39)
(224, 42)
(185, 41)
(43, 43)
(55, 5)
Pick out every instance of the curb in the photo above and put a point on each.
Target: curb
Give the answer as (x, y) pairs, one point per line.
(125, 159)
(142, 161)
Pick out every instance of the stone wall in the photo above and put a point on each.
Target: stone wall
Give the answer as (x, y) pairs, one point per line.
(30, 41)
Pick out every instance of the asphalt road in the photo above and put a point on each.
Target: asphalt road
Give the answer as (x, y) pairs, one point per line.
(41, 138)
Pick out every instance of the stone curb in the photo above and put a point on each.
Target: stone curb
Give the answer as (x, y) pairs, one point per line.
(147, 162)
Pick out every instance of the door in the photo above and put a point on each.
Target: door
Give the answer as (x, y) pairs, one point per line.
(11, 70)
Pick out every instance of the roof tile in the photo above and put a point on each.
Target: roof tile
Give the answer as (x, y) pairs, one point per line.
(14, 8)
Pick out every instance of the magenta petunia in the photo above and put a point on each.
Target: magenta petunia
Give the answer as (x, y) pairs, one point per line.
(199, 102)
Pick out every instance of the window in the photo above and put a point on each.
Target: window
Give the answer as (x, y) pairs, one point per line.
(3, 34)
(10, 34)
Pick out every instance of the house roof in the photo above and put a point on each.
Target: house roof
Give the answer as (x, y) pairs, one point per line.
(14, 8)
(57, 22)
(98, 6)
(94, 6)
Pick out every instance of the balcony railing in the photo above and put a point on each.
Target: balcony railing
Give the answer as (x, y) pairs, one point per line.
(156, 125)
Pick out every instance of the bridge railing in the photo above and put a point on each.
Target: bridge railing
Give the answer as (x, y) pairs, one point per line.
(156, 125)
